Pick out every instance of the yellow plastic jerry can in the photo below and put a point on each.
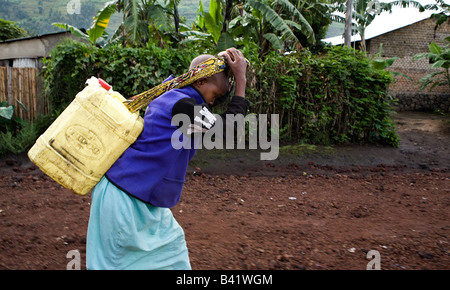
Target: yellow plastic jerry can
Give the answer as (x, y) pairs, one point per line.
(87, 138)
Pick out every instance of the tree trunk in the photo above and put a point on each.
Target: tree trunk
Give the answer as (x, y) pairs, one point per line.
(176, 17)
(227, 16)
(363, 39)
(348, 23)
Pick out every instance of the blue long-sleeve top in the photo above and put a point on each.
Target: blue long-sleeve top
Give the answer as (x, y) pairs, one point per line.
(151, 169)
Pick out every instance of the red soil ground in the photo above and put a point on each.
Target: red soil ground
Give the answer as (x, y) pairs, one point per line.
(312, 208)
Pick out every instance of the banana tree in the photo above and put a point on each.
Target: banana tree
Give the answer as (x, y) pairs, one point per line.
(440, 17)
(213, 19)
(142, 20)
(95, 33)
(210, 28)
(440, 63)
(318, 14)
(277, 22)
(173, 4)
(146, 20)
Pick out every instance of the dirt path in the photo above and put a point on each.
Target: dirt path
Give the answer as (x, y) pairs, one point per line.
(312, 208)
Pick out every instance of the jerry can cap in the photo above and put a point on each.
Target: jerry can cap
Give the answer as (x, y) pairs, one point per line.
(104, 84)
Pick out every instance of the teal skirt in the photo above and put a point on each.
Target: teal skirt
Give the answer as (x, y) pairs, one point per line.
(126, 233)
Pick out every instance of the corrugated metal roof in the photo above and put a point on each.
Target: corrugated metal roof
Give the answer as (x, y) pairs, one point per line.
(386, 22)
(33, 37)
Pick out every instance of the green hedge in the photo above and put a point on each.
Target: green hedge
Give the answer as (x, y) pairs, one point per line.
(333, 98)
(129, 70)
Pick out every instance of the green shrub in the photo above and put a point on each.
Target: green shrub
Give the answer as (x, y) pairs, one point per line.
(129, 70)
(16, 135)
(18, 141)
(332, 98)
